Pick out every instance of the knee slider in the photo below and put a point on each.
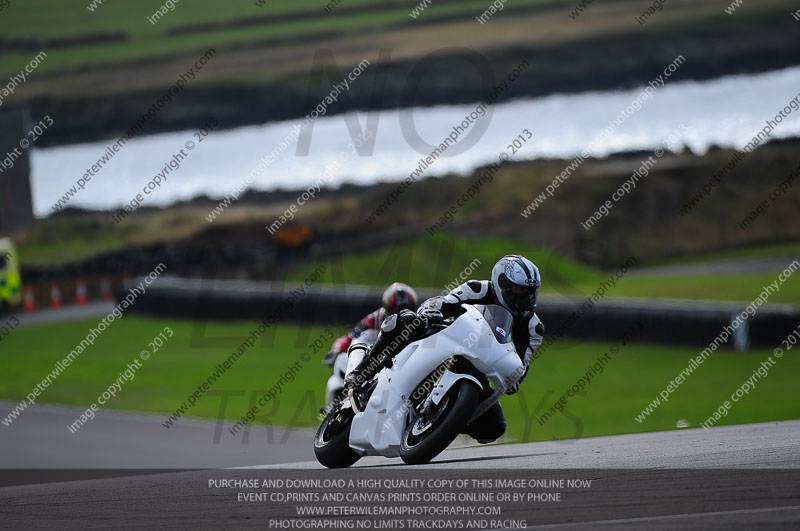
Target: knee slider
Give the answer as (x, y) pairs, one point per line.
(389, 324)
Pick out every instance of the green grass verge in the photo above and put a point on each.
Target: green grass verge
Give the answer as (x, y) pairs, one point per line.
(70, 251)
(169, 375)
(437, 261)
(743, 288)
(631, 379)
(755, 251)
(62, 240)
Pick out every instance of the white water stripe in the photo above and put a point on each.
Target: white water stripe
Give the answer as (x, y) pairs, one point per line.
(726, 112)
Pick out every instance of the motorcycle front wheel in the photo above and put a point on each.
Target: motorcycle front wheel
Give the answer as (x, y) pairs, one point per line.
(427, 436)
(332, 440)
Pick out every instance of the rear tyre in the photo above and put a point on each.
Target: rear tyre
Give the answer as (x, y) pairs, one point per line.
(332, 440)
(426, 437)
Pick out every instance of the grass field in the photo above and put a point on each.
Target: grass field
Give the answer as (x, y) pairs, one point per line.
(437, 261)
(756, 251)
(196, 25)
(631, 379)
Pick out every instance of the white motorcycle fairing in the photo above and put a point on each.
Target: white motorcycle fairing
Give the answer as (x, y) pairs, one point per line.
(379, 429)
(336, 380)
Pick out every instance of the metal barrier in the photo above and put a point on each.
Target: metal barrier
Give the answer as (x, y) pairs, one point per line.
(683, 322)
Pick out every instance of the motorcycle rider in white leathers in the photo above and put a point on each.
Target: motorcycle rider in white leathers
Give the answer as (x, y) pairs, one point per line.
(514, 285)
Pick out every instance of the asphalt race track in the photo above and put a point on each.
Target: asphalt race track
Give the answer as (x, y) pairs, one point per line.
(734, 477)
(132, 440)
(73, 312)
(768, 445)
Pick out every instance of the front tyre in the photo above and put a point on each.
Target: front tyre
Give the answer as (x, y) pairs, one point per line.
(332, 440)
(427, 436)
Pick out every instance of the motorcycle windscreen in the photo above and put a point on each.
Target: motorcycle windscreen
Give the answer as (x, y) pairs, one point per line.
(500, 321)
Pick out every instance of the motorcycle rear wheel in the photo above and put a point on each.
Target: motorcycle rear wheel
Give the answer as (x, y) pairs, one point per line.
(425, 438)
(332, 440)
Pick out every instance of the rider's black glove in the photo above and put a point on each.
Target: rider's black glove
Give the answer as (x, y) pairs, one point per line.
(514, 388)
(431, 315)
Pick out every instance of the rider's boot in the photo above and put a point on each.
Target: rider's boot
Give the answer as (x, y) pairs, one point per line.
(489, 426)
(369, 365)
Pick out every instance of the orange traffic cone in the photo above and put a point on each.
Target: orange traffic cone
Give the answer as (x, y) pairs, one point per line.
(30, 300)
(81, 295)
(105, 289)
(55, 295)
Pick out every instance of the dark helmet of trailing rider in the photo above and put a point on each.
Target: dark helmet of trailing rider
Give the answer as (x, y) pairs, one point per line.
(399, 297)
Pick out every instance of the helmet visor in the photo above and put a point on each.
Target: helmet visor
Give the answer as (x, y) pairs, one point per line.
(520, 298)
